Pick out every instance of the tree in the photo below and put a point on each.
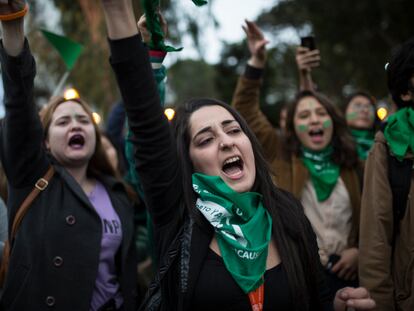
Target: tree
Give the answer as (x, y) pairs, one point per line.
(83, 22)
(279, 82)
(191, 78)
(355, 38)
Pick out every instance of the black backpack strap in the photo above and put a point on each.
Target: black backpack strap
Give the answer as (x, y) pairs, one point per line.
(399, 176)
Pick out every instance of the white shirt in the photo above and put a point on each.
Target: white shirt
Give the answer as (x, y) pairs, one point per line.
(330, 219)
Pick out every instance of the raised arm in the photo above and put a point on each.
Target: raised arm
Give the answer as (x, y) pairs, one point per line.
(119, 18)
(13, 30)
(23, 159)
(306, 60)
(247, 93)
(156, 58)
(155, 157)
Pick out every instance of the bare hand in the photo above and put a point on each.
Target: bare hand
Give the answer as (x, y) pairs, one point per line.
(142, 27)
(357, 298)
(346, 268)
(256, 43)
(307, 59)
(11, 6)
(119, 18)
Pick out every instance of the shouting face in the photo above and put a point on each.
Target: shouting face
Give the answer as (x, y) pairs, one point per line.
(71, 137)
(219, 147)
(313, 124)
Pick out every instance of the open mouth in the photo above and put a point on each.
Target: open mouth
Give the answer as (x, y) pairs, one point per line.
(233, 167)
(77, 141)
(316, 135)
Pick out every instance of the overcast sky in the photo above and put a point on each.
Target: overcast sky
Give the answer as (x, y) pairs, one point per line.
(230, 15)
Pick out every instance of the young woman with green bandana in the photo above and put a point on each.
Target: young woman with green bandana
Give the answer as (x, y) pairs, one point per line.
(247, 245)
(387, 229)
(360, 117)
(314, 160)
(359, 108)
(362, 122)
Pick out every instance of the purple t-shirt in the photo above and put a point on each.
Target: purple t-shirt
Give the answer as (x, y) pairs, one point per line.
(107, 284)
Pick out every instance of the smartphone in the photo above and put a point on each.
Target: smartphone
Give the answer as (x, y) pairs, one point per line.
(308, 42)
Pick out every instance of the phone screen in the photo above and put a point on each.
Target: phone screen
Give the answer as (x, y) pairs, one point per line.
(308, 42)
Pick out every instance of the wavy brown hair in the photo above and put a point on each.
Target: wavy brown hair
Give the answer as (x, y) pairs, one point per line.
(344, 153)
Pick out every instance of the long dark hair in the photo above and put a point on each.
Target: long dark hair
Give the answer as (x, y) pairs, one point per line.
(344, 152)
(290, 228)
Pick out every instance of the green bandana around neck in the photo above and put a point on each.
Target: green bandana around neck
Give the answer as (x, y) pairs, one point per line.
(364, 140)
(243, 228)
(399, 132)
(323, 171)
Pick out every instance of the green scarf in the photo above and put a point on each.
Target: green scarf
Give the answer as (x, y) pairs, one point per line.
(151, 8)
(323, 171)
(364, 140)
(399, 132)
(243, 228)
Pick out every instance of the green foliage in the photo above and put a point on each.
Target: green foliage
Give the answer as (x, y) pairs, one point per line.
(355, 38)
(279, 83)
(92, 75)
(191, 78)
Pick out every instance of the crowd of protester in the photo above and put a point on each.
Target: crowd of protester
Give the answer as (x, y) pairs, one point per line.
(215, 210)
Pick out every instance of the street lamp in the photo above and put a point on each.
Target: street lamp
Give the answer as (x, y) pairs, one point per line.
(169, 112)
(96, 117)
(382, 110)
(71, 93)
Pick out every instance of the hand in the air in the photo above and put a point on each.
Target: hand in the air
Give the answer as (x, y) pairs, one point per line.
(256, 43)
(11, 6)
(142, 27)
(307, 59)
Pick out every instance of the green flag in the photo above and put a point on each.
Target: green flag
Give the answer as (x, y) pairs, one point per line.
(151, 8)
(68, 49)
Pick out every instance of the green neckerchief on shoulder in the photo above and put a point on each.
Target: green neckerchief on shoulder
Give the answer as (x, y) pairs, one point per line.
(399, 132)
(364, 140)
(323, 171)
(243, 228)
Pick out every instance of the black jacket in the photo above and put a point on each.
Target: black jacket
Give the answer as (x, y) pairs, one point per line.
(55, 256)
(157, 164)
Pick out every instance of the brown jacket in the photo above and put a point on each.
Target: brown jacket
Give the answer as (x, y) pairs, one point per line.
(387, 273)
(290, 174)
